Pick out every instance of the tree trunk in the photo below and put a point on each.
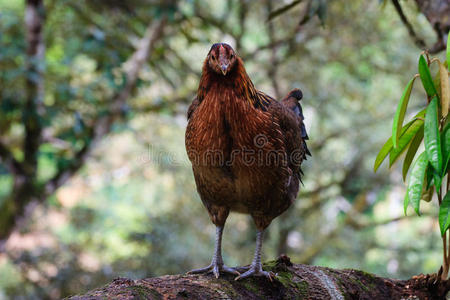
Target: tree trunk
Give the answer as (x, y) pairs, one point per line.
(293, 282)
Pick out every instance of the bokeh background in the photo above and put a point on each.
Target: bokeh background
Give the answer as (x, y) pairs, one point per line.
(130, 207)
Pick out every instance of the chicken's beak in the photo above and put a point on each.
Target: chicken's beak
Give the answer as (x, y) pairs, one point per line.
(224, 69)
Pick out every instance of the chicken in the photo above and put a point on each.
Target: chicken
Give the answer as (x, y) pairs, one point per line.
(246, 149)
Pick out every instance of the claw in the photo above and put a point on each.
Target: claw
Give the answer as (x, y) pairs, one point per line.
(201, 270)
(257, 272)
(215, 269)
(243, 269)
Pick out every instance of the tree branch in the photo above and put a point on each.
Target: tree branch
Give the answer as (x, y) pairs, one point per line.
(35, 65)
(103, 124)
(8, 159)
(418, 41)
(292, 282)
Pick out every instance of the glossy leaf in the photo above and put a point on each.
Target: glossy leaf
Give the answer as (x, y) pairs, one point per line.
(416, 181)
(425, 77)
(445, 140)
(406, 203)
(437, 180)
(444, 214)
(445, 90)
(405, 140)
(428, 176)
(432, 137)
(415, 143)
(387, 147)
(400, 113)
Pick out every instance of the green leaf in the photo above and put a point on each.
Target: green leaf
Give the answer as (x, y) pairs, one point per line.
(425, 77)
(429, 176)
(405, 203)
(445, 140)
(444, 214)
(416, 181)
(415, 143)
(437, 180)
(400, 113)
(405, 140)
(387, 147)
(432, 137)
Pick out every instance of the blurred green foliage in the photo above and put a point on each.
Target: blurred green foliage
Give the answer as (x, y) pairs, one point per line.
(133, 210)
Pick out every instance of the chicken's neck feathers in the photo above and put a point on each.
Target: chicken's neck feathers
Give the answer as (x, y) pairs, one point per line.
(237, 82)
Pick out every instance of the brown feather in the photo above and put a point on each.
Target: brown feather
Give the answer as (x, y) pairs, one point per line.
(245, 147)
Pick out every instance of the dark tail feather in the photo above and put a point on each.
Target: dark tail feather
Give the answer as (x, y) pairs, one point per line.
(292, 100)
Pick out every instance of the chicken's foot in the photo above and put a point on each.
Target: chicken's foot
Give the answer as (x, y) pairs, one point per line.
(255, 268)
(217, 264)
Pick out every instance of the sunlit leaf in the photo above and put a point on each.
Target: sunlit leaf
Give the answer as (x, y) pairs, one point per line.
(425, 77)
(444, 214)
(415, 143)
(405, 203)
(405, 140)
(432, 137)
(400, 113)
(416, 181)
(445, 90)
(387, 147)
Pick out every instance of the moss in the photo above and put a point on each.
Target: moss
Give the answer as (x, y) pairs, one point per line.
(270, 265)
(367, 275)
(142, 292)
(359, 283)
(302, 289)
(250, 284)
(285, 278)
(225, 287)
(366, 285)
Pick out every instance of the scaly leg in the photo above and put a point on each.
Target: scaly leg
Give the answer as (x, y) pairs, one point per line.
(217, 264)
(256, 266)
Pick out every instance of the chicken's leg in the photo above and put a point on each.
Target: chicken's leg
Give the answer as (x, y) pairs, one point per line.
(217, 264)
(256, 266)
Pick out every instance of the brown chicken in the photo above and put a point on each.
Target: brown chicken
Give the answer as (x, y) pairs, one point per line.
(246, 149)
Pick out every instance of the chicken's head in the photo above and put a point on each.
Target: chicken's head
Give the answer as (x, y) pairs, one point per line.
(221, 58)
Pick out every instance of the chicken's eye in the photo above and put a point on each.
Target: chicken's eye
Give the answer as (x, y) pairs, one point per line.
(232, 55)
(213, 57)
